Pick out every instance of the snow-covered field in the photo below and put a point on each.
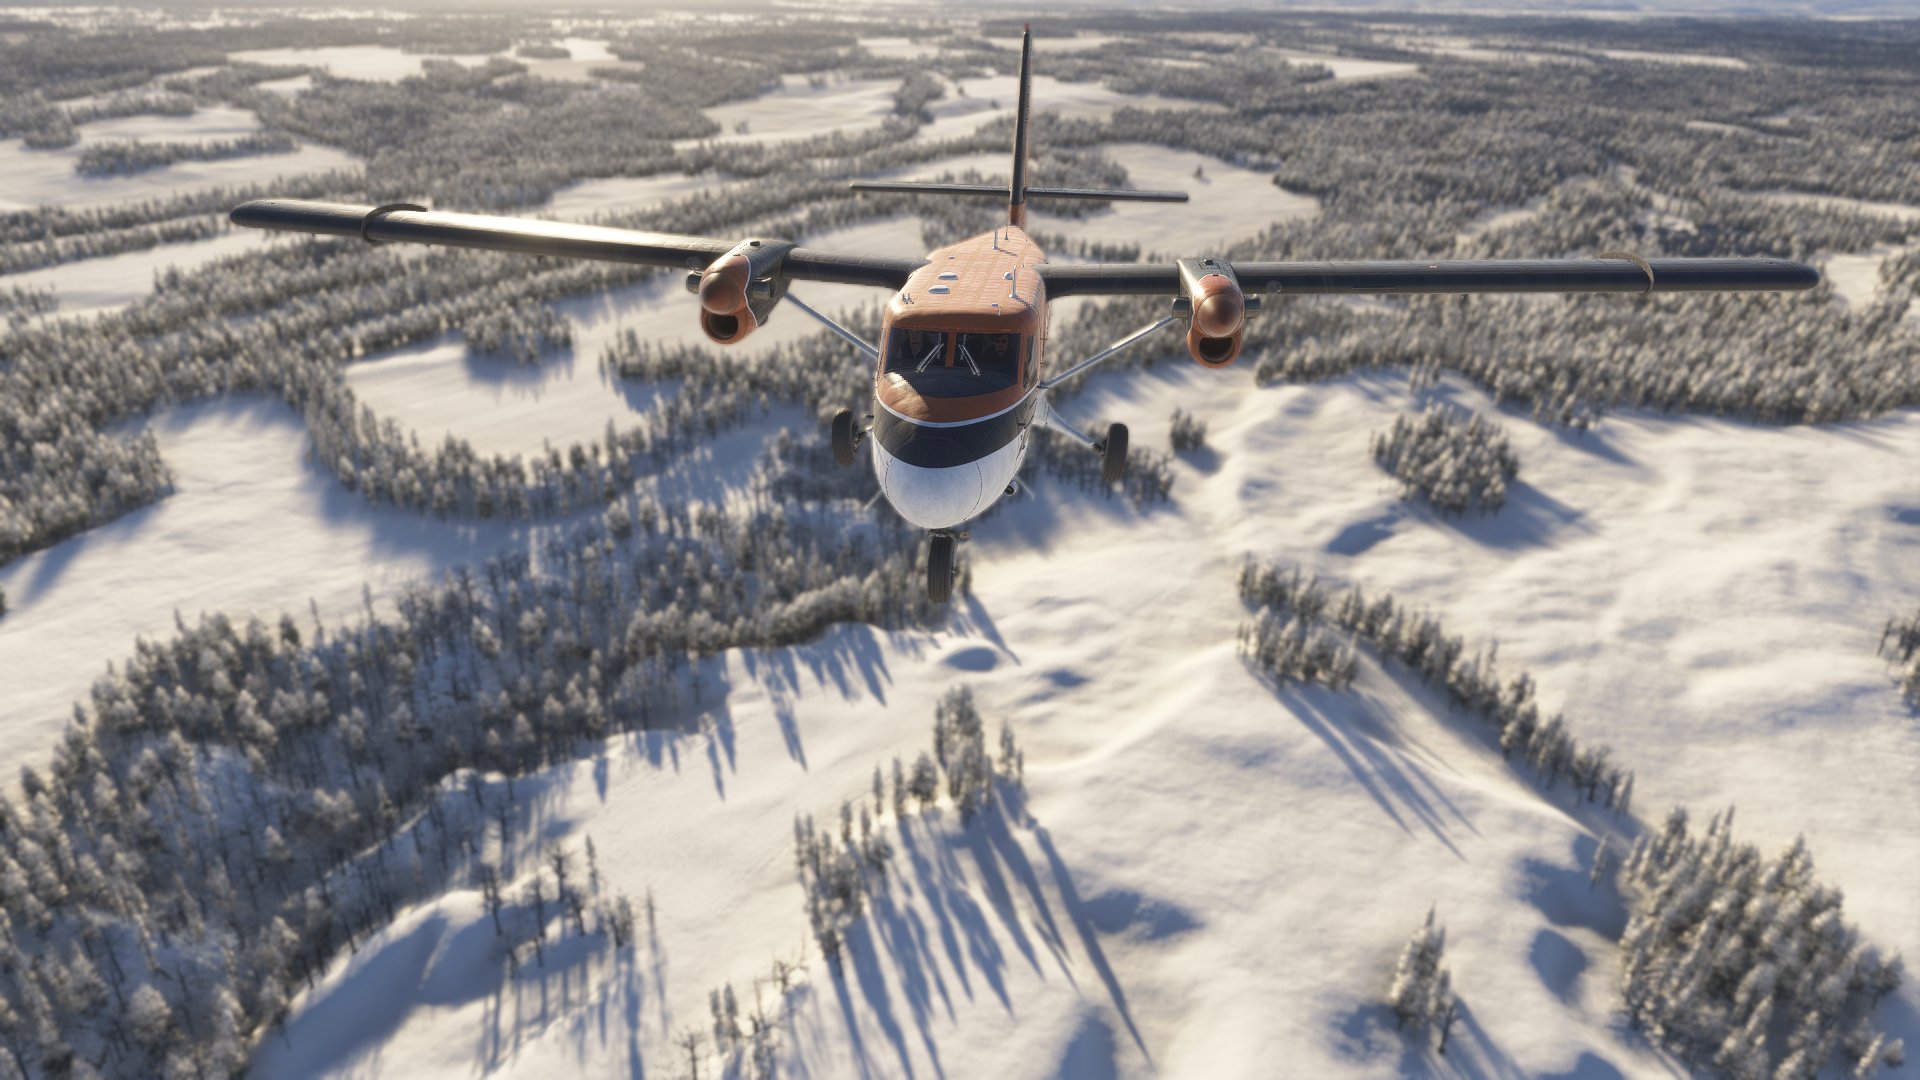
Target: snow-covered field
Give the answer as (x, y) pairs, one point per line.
(1200, 886)
(252, 528)
(1209, 876)
(93, 286)
(46, 178)
(373, 63)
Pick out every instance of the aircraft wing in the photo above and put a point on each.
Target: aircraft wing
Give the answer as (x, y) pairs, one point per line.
(1606, 274)
(527, 236)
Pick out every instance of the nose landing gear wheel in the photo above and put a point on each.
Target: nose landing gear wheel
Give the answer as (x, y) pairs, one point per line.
(845, 439)
(940, 567)
(1113, 455)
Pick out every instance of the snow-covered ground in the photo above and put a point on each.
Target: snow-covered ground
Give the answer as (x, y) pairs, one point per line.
(93, 286)
(38, 178)
(1200, 890)
(1215, 875)
(1702, 59)
(373, 63)
(46, 177)
(252, 528)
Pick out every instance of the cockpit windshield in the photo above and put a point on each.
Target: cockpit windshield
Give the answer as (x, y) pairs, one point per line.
(943, 364)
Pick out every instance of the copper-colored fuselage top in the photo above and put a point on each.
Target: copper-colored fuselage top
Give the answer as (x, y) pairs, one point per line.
(985, 284)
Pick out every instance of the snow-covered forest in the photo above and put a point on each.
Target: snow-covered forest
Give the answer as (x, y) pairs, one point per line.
(684, 627)
(1456, 464)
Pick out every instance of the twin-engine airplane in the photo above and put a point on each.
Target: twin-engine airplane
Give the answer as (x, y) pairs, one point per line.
(958, 372)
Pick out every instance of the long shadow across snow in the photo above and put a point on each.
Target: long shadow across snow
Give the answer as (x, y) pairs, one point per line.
(991, 906)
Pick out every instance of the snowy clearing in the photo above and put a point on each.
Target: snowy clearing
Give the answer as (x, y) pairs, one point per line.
(47, 178)
(1687, 608)
(372, 63)
(584, 199)
(973, 102)
(251, 529)
(1856, 277)
(95, 286)
(1347, 67)
(1701, 59)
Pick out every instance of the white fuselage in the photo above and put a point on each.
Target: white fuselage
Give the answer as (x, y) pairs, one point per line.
(941, 498)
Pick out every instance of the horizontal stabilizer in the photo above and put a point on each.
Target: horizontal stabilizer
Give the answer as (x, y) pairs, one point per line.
(930, 187)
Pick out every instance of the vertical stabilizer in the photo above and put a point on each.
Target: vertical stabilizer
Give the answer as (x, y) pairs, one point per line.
(1017, 191)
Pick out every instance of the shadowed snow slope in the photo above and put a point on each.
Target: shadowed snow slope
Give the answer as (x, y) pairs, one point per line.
(1211, 875)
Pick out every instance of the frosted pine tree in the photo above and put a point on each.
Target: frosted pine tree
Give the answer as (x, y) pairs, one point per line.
(1417, 989)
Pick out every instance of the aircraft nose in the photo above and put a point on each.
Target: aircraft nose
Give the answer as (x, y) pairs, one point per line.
(931, 498)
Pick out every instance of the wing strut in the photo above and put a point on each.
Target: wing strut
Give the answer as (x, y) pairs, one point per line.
(871, 351)
(1104, 353)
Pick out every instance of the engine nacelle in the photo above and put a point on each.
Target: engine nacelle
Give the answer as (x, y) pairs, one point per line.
(1216, 311)
(1214, 352)
(739, 289)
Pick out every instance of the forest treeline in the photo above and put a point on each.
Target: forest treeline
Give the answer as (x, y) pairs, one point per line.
(1303, 631)
(134, 156)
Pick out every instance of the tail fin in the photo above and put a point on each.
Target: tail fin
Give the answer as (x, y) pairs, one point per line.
(1017, 191)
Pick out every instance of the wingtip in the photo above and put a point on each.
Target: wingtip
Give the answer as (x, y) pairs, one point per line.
(247, 214)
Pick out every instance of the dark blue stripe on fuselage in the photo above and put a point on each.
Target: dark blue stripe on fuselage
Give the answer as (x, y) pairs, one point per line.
(945, 447)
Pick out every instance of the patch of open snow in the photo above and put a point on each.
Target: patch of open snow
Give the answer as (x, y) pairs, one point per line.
(94, 286)
(1856, 277)
(1903, 211)
(1226, 204)
(1725, 129)
(35, 178)
(251, 529)
(1701, 59)
(895, 48)
(1256, 931)
(1217, 872)
(1347, 67)
(798, 110)
(1505, 218)
(371, 63)
(286, 87)
(973, 102)
(588, 53)
(583, 199)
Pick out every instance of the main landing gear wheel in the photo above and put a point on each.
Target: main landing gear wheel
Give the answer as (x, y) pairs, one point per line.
(845, 438)
(1113, 455)
(940, 567)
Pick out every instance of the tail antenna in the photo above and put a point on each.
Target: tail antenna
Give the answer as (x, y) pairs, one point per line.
(1017, 191)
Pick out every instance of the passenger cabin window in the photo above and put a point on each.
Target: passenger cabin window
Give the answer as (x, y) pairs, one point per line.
(942, 364)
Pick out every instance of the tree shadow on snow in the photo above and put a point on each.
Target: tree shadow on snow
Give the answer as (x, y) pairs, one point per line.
(1530, 518)
(991, 906)
(1381, 757)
